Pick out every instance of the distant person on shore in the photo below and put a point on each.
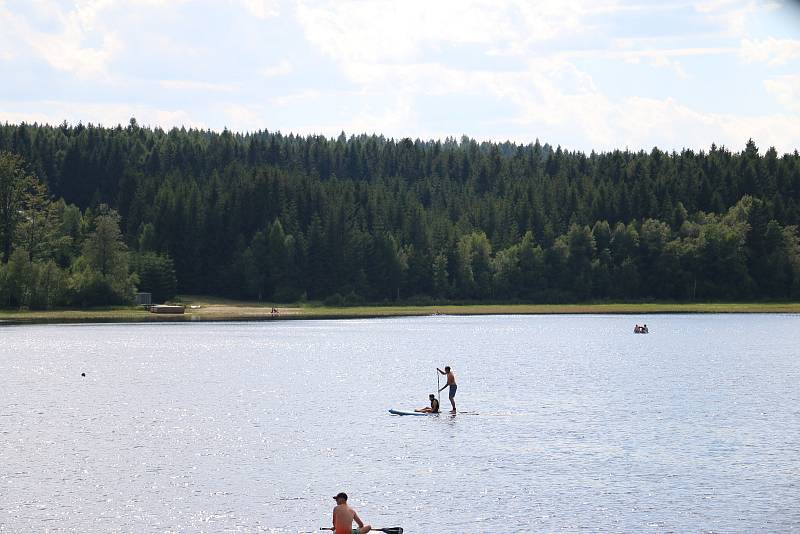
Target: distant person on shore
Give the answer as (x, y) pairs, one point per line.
(451, 383)
(433, 408)
(343, 517)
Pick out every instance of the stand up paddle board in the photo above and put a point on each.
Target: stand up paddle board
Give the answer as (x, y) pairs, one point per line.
(407, 412)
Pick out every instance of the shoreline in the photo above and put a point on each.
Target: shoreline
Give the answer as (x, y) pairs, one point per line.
(217, 310)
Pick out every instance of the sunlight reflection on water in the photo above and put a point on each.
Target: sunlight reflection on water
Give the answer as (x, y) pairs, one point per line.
(251, 427)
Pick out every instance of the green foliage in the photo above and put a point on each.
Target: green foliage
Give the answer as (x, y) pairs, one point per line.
(473, 276)
(156, 273)
(39, 238)
(104, 249)
(269, 216)
(13, 183)
(20, 278)
(441, 278)
(338, 301)
(147, 238)
(50, 288)
(5, 291)
(791, 238)
(91, 288)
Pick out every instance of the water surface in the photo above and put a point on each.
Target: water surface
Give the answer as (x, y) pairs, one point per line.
(251, 427)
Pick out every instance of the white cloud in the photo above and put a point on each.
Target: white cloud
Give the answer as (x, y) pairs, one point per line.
(262, 9)
(522, 66)
(617, 6)
(658, 57)
(640, 122)
(65, 53)
(655, 53)
(385, 30)
(400, 118)
(283, 68)
(245, 118)
(300, 96)
(56, 111)
(671, 64)
(427, 78)
(65, 49)
(770, 50)
(734, 16)
(551, 96)
(193, 85)
(786, 89)
(555, 93)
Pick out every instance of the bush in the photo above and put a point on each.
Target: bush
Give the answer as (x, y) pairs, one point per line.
(338, 301)
(50, 287)
(420, 300)
(353, 299)
(289, 294)
(4, 293)
(89, 288)
(156, 275)
(334, 301)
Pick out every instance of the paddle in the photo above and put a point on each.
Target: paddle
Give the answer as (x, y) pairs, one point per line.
(390, 530)
(438, 397)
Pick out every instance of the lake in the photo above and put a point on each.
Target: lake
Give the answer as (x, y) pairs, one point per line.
(252, 427)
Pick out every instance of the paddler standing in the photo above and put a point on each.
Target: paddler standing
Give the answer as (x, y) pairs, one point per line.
(451, 383)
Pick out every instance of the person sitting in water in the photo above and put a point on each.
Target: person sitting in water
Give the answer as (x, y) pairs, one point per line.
(645, 330)
(433, 408)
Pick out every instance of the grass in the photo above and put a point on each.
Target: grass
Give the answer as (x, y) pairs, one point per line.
(544, 309)
(115, 314)
(202, 308)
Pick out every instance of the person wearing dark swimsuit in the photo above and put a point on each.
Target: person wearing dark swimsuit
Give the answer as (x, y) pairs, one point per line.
(451, 383)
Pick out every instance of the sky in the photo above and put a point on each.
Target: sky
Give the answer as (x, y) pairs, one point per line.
(583, 74)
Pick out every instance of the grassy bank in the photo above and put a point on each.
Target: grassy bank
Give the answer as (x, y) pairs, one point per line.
(200, 308)
(91, 315)
(546, 309)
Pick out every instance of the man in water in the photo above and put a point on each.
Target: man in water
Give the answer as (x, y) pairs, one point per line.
(343, 517)
(451, 382)
(433, 408)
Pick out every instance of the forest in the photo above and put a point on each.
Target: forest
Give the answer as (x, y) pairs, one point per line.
(89, 215)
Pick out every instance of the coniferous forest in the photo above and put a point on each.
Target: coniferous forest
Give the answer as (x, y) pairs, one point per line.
(89, 215)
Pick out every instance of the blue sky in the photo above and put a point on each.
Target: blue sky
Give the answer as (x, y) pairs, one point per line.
(583, 74)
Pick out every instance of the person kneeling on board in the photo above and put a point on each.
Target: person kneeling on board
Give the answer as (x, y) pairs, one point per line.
(343, 517)
(433, 408)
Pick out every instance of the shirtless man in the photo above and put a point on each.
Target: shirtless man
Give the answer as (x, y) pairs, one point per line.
(433, 408)
(343, 517)
(451, 382)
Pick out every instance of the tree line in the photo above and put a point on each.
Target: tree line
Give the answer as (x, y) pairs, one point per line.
(278, 217)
